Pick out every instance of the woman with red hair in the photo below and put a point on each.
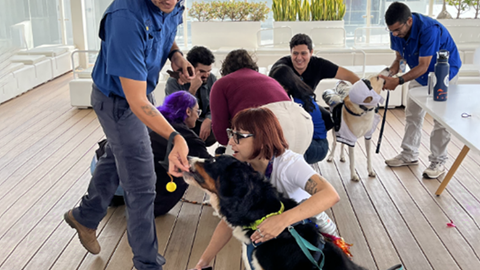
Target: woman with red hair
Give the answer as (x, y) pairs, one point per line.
(257, 138)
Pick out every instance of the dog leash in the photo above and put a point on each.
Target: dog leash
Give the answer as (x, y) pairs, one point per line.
(305, 246)
(195, 202)
(383, 124)
(301, 242)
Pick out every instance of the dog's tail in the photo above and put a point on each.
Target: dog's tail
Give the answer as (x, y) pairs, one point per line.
(331, 98)
(334, 96)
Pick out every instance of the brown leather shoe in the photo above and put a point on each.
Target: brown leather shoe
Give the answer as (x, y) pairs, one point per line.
(87, 236)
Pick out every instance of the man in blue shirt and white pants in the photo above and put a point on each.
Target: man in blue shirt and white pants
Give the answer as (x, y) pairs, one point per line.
(137, 38)
(416, 39)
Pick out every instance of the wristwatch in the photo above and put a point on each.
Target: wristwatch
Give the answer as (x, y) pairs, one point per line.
(401, 80)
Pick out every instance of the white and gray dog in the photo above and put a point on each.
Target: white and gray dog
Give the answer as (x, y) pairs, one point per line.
(353, 111)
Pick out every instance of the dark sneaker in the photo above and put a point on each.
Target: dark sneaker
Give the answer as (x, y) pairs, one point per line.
(117, 201)
(87, 236)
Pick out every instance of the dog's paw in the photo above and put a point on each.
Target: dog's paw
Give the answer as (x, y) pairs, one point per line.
(372, 174)
(355, 178)
(330, 159)
(342, 159)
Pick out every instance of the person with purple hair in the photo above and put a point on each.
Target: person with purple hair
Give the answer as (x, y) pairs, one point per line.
(181, 110)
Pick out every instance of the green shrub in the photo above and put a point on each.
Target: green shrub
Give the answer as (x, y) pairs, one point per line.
(308, 10)
(284, 10)
(259, 11)
(234, 10)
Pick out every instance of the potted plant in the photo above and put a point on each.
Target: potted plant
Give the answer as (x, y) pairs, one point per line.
(303, 15)
(476, 6)
(227, 24)
(460, 6)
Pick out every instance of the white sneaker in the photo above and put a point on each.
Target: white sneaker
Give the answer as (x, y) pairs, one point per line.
(434, 170)
(399, 161)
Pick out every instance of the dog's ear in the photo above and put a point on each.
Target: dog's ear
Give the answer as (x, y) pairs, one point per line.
(367, 83)
(215, 166)
(241, 191)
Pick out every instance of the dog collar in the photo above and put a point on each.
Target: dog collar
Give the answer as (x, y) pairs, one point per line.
(365, 110)
(257, 222)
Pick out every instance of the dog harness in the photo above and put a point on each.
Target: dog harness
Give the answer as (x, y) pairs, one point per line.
(345, 135)
(342, 133)
(304, 245)
(257, 222)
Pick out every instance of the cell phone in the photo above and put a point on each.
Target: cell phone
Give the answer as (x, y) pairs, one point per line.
(207, 268)
(176, 74)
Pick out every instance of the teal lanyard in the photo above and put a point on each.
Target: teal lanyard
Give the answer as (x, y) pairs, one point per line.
(305, 246)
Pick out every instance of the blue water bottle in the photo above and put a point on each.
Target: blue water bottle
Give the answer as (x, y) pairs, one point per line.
(442, 70)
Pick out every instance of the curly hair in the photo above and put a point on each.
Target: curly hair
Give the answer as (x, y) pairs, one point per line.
(236, 60)
(175, 106)
(294, 86)
(200, 54)
(301, 39)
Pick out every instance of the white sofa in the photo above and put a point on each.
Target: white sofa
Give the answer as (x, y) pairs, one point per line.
(25, 69)
(81, 84)
(58, 55)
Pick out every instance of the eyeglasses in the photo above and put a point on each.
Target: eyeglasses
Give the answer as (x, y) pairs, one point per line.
(199, 111)
(396, 30)
(237, 135)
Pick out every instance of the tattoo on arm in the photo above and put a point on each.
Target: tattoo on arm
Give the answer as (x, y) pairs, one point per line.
(311, 186)
(150, 110)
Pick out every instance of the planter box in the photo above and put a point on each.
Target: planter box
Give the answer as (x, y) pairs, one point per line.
(333, 34)
(466, 34)
(460, 22)
(306, 27)
(215, 35)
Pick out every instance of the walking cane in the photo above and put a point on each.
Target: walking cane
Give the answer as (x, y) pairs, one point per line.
(383, 124)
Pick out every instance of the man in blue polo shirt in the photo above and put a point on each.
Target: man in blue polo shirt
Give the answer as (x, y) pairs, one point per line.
(416, 39)
(137, 38)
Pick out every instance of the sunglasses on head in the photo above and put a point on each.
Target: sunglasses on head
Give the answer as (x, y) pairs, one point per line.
(237, 135)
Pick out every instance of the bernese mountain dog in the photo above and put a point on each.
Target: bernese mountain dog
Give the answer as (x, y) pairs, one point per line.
(241, 196)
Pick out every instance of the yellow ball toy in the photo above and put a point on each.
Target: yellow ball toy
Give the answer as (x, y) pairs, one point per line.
(171, 186)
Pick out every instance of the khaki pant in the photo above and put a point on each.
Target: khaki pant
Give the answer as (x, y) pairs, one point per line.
(439, 137)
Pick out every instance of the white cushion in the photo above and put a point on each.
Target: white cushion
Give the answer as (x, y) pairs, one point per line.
(84, 73)
(27, 59)
(11, 68)
(47, 51)
(80, 92)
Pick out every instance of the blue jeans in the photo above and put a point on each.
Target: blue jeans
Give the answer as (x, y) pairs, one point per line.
(128, 162)
(317, 151)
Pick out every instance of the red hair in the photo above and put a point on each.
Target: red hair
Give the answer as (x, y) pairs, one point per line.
(268, 134)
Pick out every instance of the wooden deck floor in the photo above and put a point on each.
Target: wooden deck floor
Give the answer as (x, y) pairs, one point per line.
(46, 147)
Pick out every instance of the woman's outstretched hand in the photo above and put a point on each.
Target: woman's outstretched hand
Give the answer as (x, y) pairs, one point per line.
(269, 229)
